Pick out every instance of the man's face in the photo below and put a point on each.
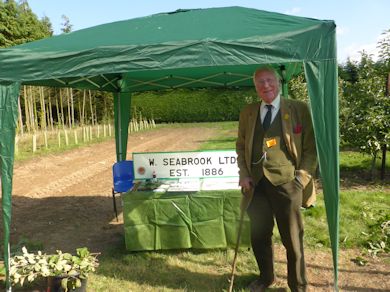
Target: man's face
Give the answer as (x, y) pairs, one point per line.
(267, 85)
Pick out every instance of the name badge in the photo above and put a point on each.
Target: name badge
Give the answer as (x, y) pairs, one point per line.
(270, 143)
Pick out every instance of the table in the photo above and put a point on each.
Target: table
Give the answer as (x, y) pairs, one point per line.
(182, 220)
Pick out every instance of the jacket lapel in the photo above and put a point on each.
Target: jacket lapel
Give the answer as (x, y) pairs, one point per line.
(287, 122)
(252, 119)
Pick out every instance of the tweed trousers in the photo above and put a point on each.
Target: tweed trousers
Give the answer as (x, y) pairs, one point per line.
(281, 203)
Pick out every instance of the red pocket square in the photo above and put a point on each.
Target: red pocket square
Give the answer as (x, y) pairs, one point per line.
(298, 129)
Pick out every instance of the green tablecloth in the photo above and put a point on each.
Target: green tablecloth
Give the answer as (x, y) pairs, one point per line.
(204, 220)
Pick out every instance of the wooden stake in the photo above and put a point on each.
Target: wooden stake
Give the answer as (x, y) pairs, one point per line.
(34, 143)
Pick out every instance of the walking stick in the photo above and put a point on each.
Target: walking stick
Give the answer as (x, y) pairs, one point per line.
(236, 250)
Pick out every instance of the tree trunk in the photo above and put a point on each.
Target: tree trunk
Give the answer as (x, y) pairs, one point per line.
(62, 111)
(91, 108)
(43, 114)
(34, 107)
(43, 108)
(58, 114)
(26, 109)
(68, 90)
(384, 147)
(383, 168)
(95, 111)
(72, 104)
(31, 109)
(105, 112)
(84, 101)
(80, 119)
(50, 111)
(20, 117)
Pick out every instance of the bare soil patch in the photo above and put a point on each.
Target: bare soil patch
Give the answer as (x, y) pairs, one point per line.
(64, 201)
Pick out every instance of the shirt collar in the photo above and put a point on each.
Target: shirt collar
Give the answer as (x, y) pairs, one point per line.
(275, 104)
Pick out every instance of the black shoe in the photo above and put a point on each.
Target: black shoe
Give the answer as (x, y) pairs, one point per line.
(259, 286)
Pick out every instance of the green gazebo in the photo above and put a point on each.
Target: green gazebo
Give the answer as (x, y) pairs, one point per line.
(216, 47)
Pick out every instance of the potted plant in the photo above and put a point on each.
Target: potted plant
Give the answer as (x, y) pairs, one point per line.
(64, 271)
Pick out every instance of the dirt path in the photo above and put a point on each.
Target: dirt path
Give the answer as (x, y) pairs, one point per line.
(64, 201)
(62, 193)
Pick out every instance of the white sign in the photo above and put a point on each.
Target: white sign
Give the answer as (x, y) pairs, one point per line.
(179, 165)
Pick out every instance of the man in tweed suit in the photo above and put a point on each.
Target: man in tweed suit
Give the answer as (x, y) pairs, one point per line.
(276, 156)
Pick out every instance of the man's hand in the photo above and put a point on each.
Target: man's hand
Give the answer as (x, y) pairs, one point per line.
(247, 184)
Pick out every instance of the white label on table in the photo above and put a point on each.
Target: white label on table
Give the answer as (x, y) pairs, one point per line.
(179, 165)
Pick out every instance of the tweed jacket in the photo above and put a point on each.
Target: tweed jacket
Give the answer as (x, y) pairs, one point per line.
(298, 136)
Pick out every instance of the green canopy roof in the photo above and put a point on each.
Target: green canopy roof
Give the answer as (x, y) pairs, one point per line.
(216, 47)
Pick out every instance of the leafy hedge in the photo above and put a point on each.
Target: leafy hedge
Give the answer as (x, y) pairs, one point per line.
(185, 105)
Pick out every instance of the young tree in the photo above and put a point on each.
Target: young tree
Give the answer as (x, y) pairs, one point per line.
(384, 50)
(66, 25)
(366, 113)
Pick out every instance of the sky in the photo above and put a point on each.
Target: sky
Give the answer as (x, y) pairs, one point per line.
(360, 24)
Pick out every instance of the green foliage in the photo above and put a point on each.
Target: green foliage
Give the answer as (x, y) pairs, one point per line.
(378, 235)
(66, 25)
(18, 24)
(360, 261)
(364, 106)
(184, 105)
(348, 72)
(2, 271)
(71, 268)
(384, 50)
(297, 88)
(28, 267)
(365, 110)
